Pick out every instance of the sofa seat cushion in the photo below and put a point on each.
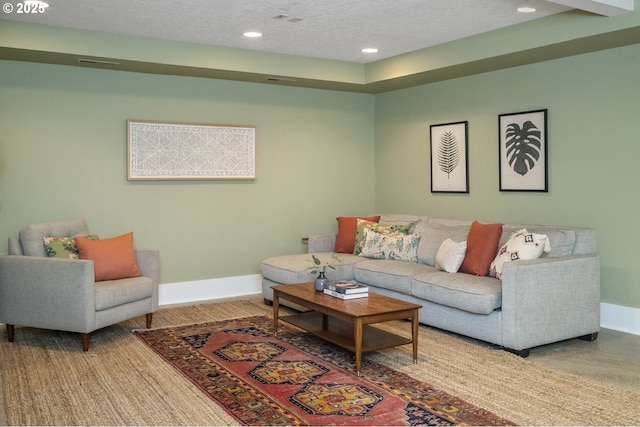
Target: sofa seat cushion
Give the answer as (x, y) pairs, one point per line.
(468, 292)
(112, 293)
(388, 274)
(290, 269)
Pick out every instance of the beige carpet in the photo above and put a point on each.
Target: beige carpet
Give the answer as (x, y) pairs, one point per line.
(48, 380)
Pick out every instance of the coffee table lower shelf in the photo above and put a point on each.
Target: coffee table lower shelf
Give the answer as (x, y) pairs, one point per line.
(341, 333)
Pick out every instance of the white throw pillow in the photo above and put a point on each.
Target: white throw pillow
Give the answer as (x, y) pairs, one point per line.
(450, 255)
(396, 246)
(521, 245)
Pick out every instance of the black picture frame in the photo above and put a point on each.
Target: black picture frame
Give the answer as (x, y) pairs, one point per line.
(449, 157)
(523, 151)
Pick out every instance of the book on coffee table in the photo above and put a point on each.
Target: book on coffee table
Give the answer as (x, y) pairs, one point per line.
(345, 287)
(345, 296)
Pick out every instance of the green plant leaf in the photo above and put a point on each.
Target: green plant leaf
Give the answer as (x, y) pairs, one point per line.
(523, 146)
(448, 153)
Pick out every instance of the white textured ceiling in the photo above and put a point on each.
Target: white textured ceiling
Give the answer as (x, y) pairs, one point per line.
(329, 29)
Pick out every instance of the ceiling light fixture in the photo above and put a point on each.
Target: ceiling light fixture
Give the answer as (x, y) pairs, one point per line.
(369, 50)
(252, 34)
(526, 7)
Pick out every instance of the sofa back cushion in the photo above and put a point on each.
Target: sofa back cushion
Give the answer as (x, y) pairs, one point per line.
(400, 219)
(432, 234)
(561, 239)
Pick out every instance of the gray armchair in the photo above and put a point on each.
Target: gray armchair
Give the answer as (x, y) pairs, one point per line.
(61, 294)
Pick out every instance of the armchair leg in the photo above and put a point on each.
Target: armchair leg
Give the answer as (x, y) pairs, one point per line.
(10, 333)
(149, 320)
(85, 342)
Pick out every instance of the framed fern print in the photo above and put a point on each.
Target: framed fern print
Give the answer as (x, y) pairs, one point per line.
(523, 151)
(449, 158)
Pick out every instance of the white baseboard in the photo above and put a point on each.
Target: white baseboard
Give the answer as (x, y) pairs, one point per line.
(617, 317)
(209, 289)
(620, 318)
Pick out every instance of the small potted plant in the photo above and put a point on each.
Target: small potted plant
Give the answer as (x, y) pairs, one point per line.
(320, 269)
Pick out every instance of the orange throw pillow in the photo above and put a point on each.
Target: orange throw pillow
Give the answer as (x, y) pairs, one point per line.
(482, 246)
(346, 239)
(112, 258)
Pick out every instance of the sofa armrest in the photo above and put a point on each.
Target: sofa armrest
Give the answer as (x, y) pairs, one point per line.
(321, 243)
(550, 299)
(52, 293)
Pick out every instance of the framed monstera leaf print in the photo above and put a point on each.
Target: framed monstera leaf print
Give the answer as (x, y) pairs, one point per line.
(449, 158)
(523, 151)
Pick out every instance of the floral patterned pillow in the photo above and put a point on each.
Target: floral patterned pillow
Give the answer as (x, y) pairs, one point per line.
(380, 228)
(521, 245)
(63, 247)
(393, 246)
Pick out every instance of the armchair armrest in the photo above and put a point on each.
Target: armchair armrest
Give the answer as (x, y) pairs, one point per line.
(52, 293)
(321, 243)
(149, 265)
(550, 299)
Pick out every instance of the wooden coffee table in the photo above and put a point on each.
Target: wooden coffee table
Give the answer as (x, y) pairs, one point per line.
(346, 322)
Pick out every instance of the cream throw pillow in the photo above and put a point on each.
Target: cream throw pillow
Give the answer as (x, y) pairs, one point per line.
(450, 255)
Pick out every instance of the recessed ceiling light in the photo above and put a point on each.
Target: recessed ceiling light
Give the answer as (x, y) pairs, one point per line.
(252, 34)
(526, 7)
(369, 50)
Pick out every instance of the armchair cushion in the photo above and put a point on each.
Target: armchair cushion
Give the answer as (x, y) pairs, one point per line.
(112, 258)
(112, 293)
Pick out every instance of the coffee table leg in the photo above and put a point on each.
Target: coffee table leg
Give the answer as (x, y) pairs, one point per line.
(276, 308)
(414, 335)
(357, 335)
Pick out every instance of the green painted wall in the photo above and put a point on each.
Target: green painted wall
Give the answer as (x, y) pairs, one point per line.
(593, 152)
(63, 154)
(320, 154)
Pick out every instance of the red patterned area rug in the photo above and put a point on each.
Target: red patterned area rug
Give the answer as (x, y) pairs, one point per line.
(298, 379)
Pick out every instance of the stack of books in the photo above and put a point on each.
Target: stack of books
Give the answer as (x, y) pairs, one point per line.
(346, 290)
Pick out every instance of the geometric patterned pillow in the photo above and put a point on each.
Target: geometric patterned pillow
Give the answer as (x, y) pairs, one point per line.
(393, 246)
(521, 245)
(63, 247)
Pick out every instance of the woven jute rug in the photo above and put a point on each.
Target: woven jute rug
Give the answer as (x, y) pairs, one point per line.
(48, 379)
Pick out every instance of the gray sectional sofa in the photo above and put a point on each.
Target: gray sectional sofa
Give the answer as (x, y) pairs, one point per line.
(536, 302)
